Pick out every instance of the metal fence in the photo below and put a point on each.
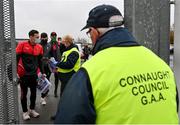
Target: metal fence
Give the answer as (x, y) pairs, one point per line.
(9, 112)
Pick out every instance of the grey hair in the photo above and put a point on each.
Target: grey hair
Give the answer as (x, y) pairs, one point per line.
(104, 30)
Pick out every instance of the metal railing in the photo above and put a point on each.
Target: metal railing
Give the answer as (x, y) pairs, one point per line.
(9, 112)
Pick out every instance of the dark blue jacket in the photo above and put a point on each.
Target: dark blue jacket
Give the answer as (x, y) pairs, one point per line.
(77, 104)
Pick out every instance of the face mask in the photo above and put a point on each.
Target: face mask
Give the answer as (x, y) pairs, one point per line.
(37, 40)
(53, 39)
(44, 40)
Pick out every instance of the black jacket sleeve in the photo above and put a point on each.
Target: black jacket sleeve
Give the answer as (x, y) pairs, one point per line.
(47, 53)
(40, 65)
(70, 62)
(77, 104)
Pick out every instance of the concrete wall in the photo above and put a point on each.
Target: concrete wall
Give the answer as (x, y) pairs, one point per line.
(149, 21)
(177, 44)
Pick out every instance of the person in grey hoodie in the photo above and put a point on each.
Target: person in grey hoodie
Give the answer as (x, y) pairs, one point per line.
(45, 58)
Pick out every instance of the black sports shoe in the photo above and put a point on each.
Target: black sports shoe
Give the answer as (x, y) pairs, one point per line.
(55, 95)
(53, 117)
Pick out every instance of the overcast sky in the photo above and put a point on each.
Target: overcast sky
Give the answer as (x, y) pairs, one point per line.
(61, 16)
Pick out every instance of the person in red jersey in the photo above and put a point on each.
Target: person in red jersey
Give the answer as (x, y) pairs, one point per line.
(29, 59)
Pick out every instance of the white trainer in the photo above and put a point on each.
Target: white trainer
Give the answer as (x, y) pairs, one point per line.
(43, 101)
(26, 116)
(33, 113)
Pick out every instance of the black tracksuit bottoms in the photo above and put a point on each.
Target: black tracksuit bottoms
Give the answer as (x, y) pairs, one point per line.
(25, 83)
(64, 78)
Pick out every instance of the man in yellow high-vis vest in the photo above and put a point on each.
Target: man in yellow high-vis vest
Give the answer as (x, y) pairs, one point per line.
(69, 64)
(123, 83)
(70, 61)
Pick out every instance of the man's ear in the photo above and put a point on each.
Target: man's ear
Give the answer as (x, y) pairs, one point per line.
(30, 37)
(94, 35)
(95, 31)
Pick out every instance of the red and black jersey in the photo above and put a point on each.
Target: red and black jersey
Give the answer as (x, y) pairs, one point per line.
(31, 57)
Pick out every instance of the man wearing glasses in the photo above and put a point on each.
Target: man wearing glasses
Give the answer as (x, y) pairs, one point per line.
(123, 83)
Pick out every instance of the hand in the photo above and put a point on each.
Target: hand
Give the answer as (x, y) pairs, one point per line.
(52, 59)
(18, 79)
(42, 76)
(18, 76)
(55, 70)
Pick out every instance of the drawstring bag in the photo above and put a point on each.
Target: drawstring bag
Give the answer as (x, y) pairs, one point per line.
(43, 84)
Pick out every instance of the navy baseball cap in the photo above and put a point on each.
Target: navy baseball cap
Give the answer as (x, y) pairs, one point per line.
(104, 16)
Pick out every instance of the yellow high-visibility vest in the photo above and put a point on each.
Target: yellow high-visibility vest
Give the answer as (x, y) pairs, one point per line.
(131, 85)
(64, 59)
